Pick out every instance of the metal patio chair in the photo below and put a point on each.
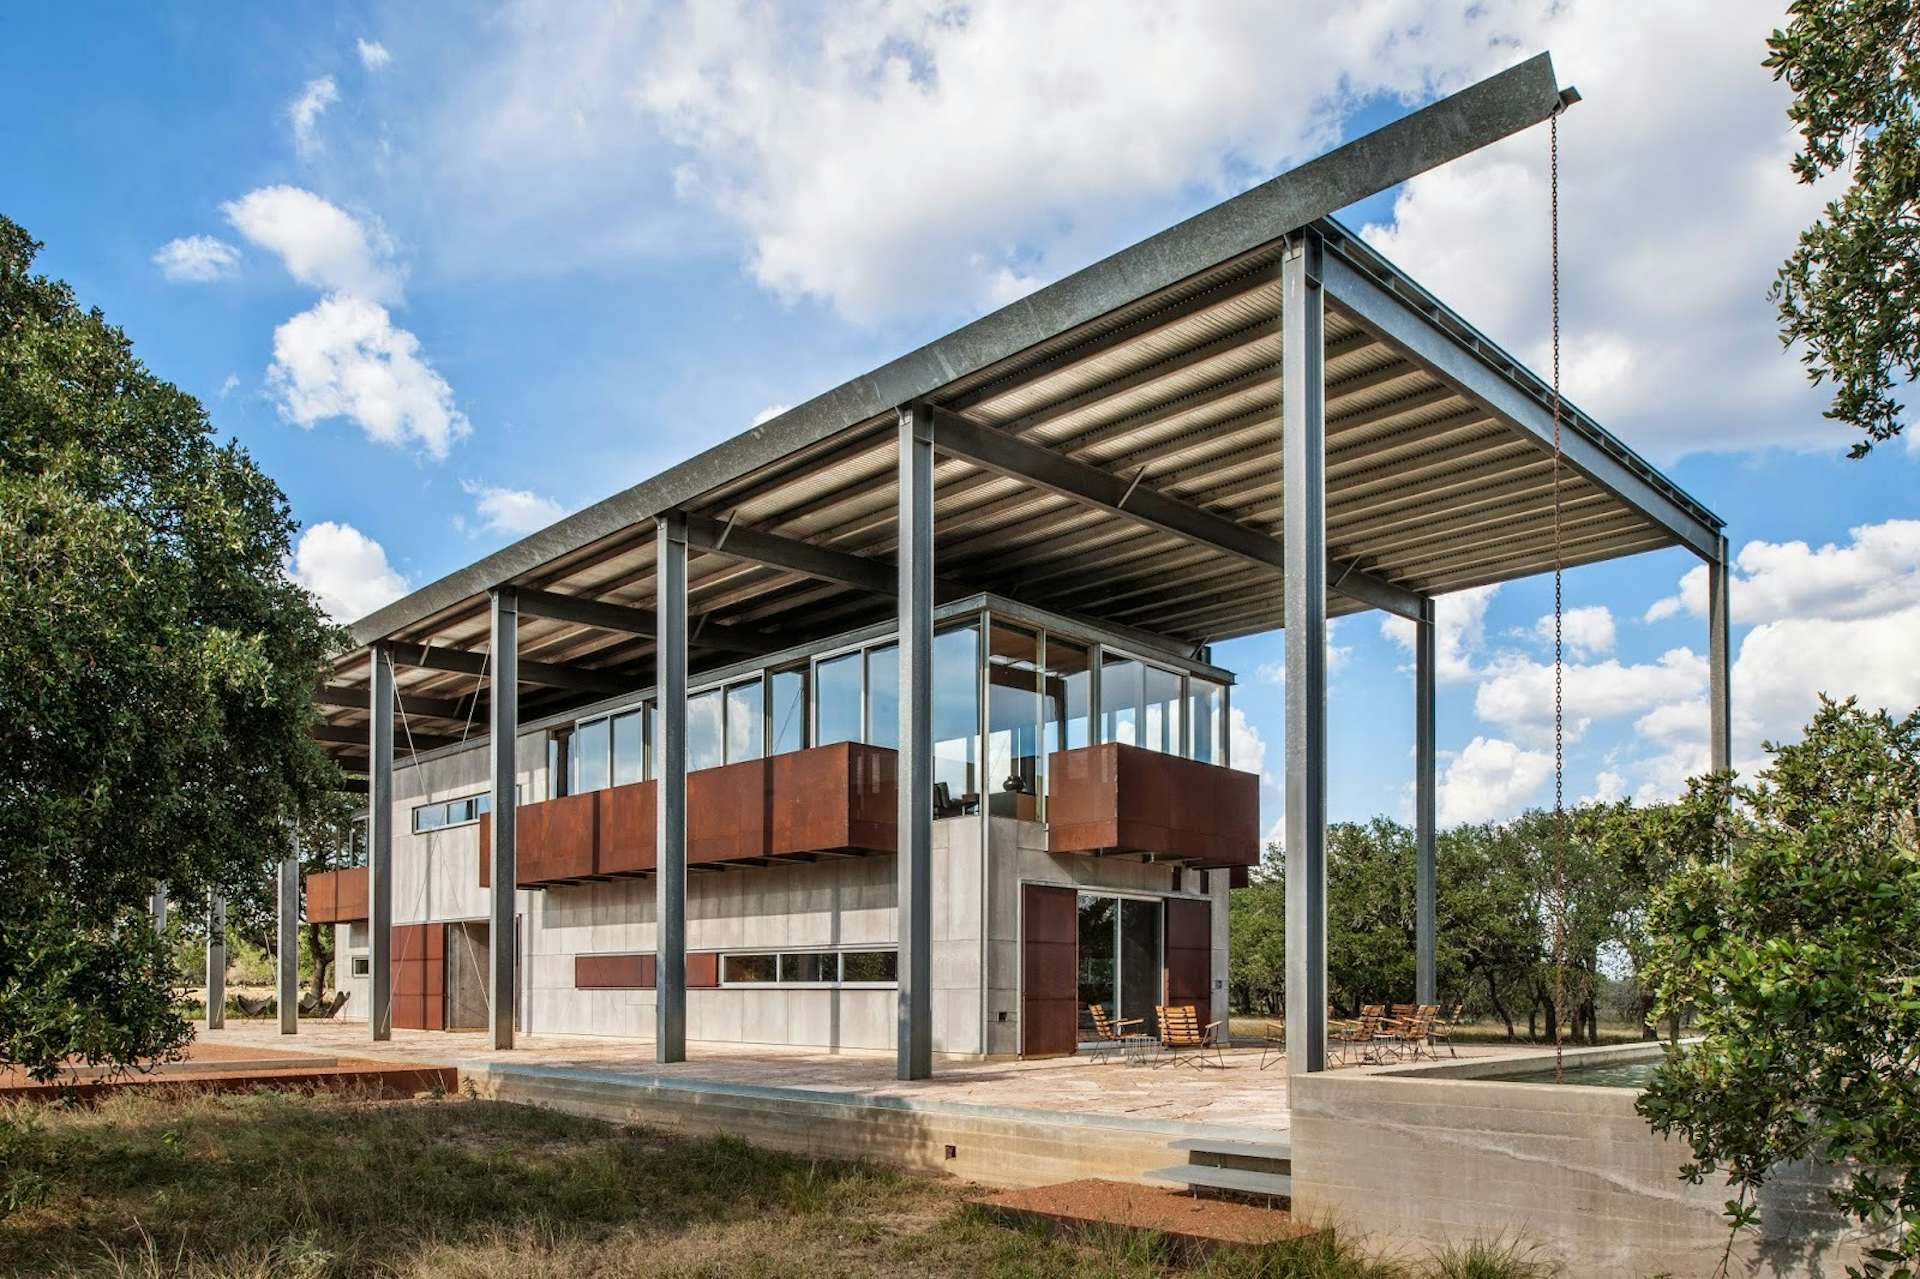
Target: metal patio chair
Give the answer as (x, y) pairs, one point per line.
(1110, 1034)
(250, 1007)
(1184, 1041)
(1273, 1043)
(1364, 1043)
(1441, 1031)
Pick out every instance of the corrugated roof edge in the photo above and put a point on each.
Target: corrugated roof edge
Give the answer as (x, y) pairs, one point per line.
(1480, 114)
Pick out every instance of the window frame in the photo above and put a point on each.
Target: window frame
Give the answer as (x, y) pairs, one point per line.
(781, 981)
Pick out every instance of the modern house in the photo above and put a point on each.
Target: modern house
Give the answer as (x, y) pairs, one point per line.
(891, 721)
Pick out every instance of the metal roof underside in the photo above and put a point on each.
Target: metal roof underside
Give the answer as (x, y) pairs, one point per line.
(1439, 478)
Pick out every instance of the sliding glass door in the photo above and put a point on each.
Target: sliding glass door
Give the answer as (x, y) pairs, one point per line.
(1120, 959)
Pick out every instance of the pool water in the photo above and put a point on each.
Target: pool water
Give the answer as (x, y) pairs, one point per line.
(1623, 1074)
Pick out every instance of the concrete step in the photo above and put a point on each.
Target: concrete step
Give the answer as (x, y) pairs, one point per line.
(1277, 1151)
(1272, 1185)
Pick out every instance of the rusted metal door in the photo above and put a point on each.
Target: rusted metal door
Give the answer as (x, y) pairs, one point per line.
(420, 976)
(1049, 957)
(1189, 953)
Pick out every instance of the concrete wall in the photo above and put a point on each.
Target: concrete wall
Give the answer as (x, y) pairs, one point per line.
(1412, 1158)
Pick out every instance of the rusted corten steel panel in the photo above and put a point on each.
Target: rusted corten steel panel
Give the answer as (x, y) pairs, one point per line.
(1115, 798)
(1049, 970)
(613, 972)
(419, 976)
(337, 896)
(1189, 952)
(839, 798)
(703, 969)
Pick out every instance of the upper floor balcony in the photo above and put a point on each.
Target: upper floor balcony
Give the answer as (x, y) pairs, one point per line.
(1116, 798)
(337, 896)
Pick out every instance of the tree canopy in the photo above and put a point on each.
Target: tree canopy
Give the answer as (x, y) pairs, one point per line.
(156, 673)
(1792, 938)
(1850, 292)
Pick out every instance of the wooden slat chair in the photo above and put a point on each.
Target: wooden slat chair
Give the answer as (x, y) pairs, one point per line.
(1441, 1031)
(1273, 1044)
(1109, 1033)
(1365, 1043)
(1184, 1040)
(1410, 1038)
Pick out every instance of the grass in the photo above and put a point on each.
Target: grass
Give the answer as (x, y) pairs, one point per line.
(247, 1186)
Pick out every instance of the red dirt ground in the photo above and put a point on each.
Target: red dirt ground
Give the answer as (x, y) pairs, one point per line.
(1197, 1222)
(300, 1071)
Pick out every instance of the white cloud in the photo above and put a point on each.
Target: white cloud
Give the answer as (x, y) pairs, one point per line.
(769, 413)
(1490, 779)
(346, 358)
(1338, 655)
(1668, 338)
(347, 569)
(1608, 786)
(373, 54)
(1587, 631)
(1878, 571)
(196, 259)
(229, 385)
(320, 243)
(1010, 152)
(1246, 747)
(1516, 694)
(505, 510)
(1460, 629)
(304, 112)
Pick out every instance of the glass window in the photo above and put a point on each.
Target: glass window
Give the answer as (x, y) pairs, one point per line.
(629, 748)
(591, 744)
(883, 695)
(1065, 687)
(429, 817)
(1207, 707)
(1120, 700)
(745, 721)
(653, 739)
(789, 710)
(703, 731)
(870, 965)
(1163, 712)
(810, 966)
(559, 766)
(837, 698)
(1013, 722)
(361, 966)
(739, 969)
(956, 724)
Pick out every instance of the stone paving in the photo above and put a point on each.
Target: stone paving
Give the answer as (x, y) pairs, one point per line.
(1240, 1094)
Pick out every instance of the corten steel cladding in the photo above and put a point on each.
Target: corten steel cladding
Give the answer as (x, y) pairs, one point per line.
(337, 896)
(838, 798)
(419, 976)
(1115, 798)
(1049, 970)
(1189, 952)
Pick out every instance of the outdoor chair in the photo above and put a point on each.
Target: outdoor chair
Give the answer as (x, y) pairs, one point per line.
(1409, 1038)
(1340, 1026)
(254, 1007)
(1183, 1040)
(326, 1011)
(1441, 1032)
(1273, 1043)
(1365, 1044)
(1111, 1036)
(309, 1004)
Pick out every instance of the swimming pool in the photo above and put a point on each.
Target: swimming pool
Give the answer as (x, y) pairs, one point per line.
(1620, 1074)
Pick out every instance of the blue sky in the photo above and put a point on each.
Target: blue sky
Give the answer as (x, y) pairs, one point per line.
(451, 274)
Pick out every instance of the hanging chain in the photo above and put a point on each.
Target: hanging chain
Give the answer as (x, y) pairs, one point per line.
(1559, 665)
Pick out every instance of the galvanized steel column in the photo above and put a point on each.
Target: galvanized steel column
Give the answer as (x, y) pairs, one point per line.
(503, 772)
(1304, 535)
(1425, 981)
(157, 907)
(1720, 693)
(670, 855)
(287, 969)
(915, 556)
(216, 962)
(380, 845)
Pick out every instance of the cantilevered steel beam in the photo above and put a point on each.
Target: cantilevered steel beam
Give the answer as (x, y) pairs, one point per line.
(1122, 495)
(1406, 321)
(462, 662)
(707, 534)
(358, 737)
(638, 621)
(356, 699)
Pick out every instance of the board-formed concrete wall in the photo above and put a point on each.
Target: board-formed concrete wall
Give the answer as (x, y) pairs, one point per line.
(1415, 1158)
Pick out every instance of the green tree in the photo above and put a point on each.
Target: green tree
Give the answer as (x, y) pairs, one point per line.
(156, 668)
(1792, 934)
(1850, 292)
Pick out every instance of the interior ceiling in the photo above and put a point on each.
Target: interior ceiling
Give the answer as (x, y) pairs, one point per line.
(1425, 488)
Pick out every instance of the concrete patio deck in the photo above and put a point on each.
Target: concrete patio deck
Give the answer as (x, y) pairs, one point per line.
(998, 1122)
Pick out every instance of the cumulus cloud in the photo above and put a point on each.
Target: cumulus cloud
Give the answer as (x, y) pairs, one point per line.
(1516, 694)
(1877, 572)
(1246, 747)
(1338, 655)
(346, 358)
(1460, 630)
(505, 510)
(1006, 162)
(304, 112)
(196, 259)
(346, 569)
(1587, 631)
(769, 413)
(1488, 779)
(320, 243)
(373, 54)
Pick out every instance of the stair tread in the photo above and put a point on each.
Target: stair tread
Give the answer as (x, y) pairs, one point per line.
(1240, 1179)
(1234, 1146)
